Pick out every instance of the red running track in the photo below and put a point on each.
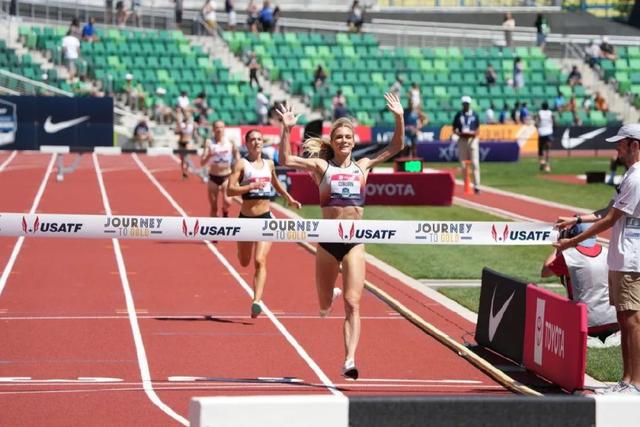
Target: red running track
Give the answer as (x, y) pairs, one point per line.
(65, 315)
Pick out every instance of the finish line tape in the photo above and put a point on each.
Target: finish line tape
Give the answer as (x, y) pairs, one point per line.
(277, 230)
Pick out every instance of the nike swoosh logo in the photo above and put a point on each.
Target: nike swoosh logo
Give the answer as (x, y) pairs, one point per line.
(50, 127)
(569, 143)
(494, 321)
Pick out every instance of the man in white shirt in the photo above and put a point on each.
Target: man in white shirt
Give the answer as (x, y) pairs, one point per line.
(544, 121)
(71, 52)
(623, 215)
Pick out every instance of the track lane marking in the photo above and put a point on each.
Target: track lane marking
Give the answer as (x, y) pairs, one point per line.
(294, 343)
(141, 354)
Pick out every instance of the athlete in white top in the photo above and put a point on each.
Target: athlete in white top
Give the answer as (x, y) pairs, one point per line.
(623, 215)
(544, 120)
(253, 178)
(219, 156)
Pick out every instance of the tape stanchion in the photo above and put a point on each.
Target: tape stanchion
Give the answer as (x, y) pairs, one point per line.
(277, 230)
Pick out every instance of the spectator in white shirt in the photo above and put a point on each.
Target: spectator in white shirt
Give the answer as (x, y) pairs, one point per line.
(71, 52)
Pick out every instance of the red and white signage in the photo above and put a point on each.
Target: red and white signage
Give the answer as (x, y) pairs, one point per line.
(400, 188)
(555, 338)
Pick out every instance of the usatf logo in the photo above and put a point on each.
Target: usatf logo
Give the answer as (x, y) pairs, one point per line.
(519, 235)
(449, 232)
(128, 226)
(290, 229)
(208, 230)
(364, 233)
(49, 227)
(349, 235)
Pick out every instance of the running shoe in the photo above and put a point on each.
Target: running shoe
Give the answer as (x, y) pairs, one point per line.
(336, 294)
(630, 389)
(349, 370)
(256, 309)
(615, 388)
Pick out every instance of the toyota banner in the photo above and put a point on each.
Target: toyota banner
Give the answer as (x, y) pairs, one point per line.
(27, 122)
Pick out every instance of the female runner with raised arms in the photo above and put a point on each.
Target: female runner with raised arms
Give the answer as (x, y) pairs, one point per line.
(253, 178)
(341, 181)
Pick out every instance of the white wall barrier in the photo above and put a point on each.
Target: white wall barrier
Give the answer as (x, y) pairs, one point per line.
(277, 230)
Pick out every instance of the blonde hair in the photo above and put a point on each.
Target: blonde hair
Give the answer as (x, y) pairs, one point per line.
(321, 147)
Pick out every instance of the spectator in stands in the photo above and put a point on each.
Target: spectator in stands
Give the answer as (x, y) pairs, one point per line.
(588, 102)
(572, 106)
(518, 73)
(183, 104)
(201, 106)
(623, 214)
(607, 50)
(209, 15)
(276, 17)
(508, 25)
(178, 8)
(108, 12)
(121, 14)
(544, 122)
(515, 113)
(266, 17)
(202, 131)
(559, 103)
(88, 31)
(71, 52)
(414, 120)
(262, 107)
(524, 115)
(230, 9)
(339, 104)
(135, 93)
(415, 99)
(466, 125)
(601, 103)
(397, 88)
(583, 272)
(490, 114)
(503, 117)
(142, 136)
(136, 11)
(575, 77)
(254, 68)
(74, 27)
(542, 30)
(252, 16)
(319, 77)
(593, 54)
(356, 17)
(490, 76)
(162, 113)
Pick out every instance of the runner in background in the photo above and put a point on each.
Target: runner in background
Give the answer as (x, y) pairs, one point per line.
(219, 155)
(254, 178)
(544, 121)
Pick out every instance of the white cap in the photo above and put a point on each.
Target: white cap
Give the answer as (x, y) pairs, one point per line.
(466, 99)
(161, 91)
(128, 76)
(605, 39)
(631, 130)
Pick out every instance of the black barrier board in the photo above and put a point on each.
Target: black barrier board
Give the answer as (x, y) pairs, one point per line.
(28, 122)
(583, 138)
(501, 314)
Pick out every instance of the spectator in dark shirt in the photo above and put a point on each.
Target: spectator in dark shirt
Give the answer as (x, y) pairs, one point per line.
(266, 17)
(542, 29)
(607, 50)
(319, 77)
(575, 77)
(503, 117)
(355, 18)
(490, 76)
(339, 104)
(88, 31)
(142, 136)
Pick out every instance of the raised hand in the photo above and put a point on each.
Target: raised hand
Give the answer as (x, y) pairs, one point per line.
(393, 103)
(289, 118)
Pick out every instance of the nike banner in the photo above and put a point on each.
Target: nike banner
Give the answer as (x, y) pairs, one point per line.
(501, 314)
(53, 120)
(583, 138)
(555, 338)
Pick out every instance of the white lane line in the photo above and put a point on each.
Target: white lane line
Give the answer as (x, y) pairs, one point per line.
(8, 160)
(18, 245)
(301, 351)
(79, 380)
(211, 318)
(131, 310)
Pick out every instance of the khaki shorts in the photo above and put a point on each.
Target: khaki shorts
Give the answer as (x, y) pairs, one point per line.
(467, 148)
(624, 290)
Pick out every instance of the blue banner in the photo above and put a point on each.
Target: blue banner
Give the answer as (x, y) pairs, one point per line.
(489, 151)
(383, 134)
(27, 122)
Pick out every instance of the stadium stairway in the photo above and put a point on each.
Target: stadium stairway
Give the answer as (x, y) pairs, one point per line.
(593, 83)
(216, 47)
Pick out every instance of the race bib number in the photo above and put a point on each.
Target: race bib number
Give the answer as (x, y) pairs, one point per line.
(345, 186)
(265, 190)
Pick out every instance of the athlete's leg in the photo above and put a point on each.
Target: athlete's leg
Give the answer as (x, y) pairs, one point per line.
(353, 273)
(327, 268)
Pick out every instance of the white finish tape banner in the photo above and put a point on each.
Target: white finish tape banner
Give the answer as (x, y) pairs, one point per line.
(277, 230)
